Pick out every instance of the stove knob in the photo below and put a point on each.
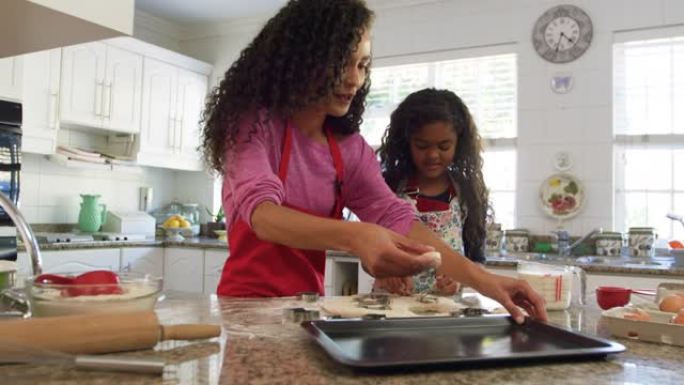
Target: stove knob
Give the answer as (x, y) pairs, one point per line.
(125, 238)
(68, 240)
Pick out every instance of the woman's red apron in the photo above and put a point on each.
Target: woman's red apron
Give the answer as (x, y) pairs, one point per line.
(259, 268)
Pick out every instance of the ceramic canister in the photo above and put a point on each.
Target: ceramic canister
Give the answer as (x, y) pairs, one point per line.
(609, 244)
(642, 241)
(494, 239)
(517, 240)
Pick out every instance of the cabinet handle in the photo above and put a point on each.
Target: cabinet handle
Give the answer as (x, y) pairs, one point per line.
(172, 131)
(52, 112)
(108, 100)
(180, 133)
(98, 98)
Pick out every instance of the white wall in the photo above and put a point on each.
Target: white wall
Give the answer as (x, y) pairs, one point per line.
(579, 122)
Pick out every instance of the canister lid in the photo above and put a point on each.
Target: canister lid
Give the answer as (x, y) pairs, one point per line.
(642, 230)
(610, 235)
(524, 232)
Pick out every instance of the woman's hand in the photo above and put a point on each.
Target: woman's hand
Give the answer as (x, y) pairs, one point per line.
(511, 293)
(384, 253)
(394, 285)
(446, 285)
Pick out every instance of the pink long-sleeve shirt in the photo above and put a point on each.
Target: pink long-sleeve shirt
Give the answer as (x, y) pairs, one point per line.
(252, 177)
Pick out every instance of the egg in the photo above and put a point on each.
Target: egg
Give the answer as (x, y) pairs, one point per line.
(637, 315)
(679, 318)
(672, 303)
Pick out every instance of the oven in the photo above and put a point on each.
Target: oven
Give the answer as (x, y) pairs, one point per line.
(10, 167)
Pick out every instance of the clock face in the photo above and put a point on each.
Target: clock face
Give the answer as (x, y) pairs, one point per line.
(562, 34)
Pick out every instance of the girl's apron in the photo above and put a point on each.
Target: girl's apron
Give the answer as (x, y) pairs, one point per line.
(259, 268)
(445, 219)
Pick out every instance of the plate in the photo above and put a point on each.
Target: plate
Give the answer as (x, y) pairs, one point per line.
(561, 196)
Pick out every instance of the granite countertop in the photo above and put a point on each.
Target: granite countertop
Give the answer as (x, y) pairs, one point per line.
(259, 347)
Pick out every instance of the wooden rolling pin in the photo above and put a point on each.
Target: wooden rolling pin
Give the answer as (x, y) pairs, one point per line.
(100, 333)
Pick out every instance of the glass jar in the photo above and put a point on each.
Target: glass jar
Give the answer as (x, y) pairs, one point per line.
(642, 241)
(517, 240)
(609, 244)
(190, 211)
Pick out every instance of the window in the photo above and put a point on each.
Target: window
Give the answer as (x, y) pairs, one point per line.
(488, 86)
(649, 127)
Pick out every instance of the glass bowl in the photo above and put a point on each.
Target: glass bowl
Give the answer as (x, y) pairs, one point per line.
(134, 292)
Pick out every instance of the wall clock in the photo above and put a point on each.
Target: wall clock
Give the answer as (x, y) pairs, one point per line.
(562, 34)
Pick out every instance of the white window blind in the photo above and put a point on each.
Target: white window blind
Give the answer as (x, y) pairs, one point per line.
(486, 84)
(648, 120)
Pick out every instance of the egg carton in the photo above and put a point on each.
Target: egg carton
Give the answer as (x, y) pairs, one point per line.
(658, 329)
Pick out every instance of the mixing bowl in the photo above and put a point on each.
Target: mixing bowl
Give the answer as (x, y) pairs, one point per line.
(133, 292)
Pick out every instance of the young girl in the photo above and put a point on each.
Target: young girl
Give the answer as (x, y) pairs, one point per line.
(283, 130)
(431, 157)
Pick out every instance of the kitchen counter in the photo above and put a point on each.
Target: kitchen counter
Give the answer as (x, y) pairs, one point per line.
(259, 347)
(194, 242)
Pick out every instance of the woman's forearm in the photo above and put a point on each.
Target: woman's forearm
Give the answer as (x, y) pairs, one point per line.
(454, 265)
(289, 227)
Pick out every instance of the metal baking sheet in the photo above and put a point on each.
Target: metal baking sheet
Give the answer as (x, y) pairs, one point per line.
(398, 342)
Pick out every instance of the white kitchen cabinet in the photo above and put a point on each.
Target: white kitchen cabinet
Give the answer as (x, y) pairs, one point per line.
(10, 78)
(101, 87)
(213, 266)
(184, 269)
(143, 260)
(79, 261)
(40, 100)
(173, 99)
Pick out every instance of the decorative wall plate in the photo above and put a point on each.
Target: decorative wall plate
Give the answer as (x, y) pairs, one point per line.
(561, 196)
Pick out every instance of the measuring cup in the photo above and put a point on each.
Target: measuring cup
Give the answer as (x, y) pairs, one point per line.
(559, 285)
(610, 296)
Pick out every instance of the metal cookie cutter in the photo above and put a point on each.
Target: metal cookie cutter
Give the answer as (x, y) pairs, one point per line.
(299, 314)
(373, 301)
(469, 312)
(308, 296)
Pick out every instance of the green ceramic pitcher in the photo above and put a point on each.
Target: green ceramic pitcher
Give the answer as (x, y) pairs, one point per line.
(92, 214)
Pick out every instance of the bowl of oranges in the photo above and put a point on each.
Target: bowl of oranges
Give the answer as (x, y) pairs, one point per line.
(175, 227)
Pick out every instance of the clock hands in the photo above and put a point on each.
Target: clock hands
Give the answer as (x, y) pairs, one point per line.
(560, 39)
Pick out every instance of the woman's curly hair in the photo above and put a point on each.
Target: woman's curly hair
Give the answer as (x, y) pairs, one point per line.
(297, 58)
(429, 106)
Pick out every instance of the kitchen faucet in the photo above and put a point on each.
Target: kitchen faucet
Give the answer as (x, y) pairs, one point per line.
(564, 246)
(25, 233)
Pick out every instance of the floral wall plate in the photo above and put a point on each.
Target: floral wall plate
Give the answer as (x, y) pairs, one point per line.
(561, 196)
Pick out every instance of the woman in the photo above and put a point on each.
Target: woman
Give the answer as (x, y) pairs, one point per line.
(283, 129)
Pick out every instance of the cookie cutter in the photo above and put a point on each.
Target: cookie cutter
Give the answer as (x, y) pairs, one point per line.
(308, 296)
(373, 301)
(300, 314)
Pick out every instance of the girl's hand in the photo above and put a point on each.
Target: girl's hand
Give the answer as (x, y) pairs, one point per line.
(384, 253)
(394, 285)
(511, 293)
(446, 285)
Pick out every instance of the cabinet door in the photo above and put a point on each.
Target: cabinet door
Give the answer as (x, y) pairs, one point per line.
(143, 260)
(158, 115)
(122, 91)
(213, 266)
(10, 78)
(192, 89)
(184, 269)
(40, 98)
(79, 261)
(83, 70)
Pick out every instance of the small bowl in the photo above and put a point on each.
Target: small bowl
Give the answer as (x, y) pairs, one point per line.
(8, 273)
(138, 292)
(609, 297)
(174, 233)
(221, 234)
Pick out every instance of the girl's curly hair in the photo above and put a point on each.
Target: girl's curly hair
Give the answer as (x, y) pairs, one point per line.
(429, 106)
(297, 58)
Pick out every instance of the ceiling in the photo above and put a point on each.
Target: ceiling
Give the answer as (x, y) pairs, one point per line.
(199, 11)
